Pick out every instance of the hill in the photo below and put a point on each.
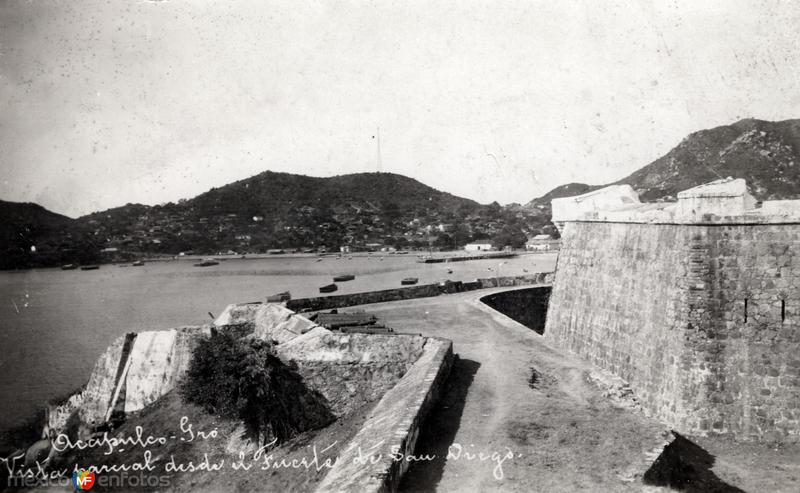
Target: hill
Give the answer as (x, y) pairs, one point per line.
(269, 211)
(56, 238)
(286, 211)
(766, 154)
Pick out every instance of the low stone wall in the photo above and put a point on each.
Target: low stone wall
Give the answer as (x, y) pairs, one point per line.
(526, 306)
(369, 463)
(423, 291)
(341, 300)
(511, 281)
(350, 370)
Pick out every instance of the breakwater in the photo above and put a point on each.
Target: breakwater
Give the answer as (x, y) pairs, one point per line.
(463, 258)
(423, 291)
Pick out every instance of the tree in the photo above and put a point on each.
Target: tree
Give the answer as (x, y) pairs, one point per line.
(511, 236)
(242, 378)
(460, 235)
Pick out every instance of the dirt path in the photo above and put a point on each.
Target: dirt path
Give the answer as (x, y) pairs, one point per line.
(561, 424)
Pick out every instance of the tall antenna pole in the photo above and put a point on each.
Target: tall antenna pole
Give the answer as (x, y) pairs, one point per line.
(379, 163)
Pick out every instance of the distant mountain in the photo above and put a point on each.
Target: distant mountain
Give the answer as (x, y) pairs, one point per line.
(282, 210)
(766, 154)
(267, 211)
(53, 237)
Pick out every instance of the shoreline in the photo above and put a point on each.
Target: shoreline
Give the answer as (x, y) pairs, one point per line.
(421, 256)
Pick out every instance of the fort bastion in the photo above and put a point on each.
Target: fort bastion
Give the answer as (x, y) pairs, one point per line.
(696, 303)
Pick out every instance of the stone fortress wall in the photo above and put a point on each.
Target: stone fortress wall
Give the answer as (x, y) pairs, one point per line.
(696, 304)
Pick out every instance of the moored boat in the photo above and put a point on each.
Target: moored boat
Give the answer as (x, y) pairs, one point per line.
(409, 280)
(343, 278)
(138, 263)
(69, 267)
(329, 288)
(207, 263)
(90, 267)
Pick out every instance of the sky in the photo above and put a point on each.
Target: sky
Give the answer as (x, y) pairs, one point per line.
(104, 103)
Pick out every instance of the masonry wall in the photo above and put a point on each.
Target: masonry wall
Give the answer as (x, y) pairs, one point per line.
(526, 306)
(392, 428)
(662, 306)
(615, 302)
(351, 370)
(753, 383)
(421, 291)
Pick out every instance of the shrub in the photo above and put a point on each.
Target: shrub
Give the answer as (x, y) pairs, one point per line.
(242, 378)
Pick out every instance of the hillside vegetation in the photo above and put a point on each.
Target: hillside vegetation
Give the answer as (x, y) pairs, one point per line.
(56, 238)
(285, 211)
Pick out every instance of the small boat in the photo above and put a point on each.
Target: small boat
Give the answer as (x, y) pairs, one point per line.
(346, 277)
(90, 267)
(138, 263)
(409, 280)
(69, 267)
(329, 288)
(449, 271)
(206, 263)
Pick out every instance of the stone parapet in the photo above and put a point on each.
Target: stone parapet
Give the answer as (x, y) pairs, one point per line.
(720, 202)
(370, 461)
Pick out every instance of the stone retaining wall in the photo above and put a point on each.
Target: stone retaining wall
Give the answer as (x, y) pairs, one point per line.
(351, 370)
(392, 427)
(702, 320)
(527, 306)
(423, 291)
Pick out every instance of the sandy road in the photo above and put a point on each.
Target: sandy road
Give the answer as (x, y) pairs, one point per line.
(561, 425)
